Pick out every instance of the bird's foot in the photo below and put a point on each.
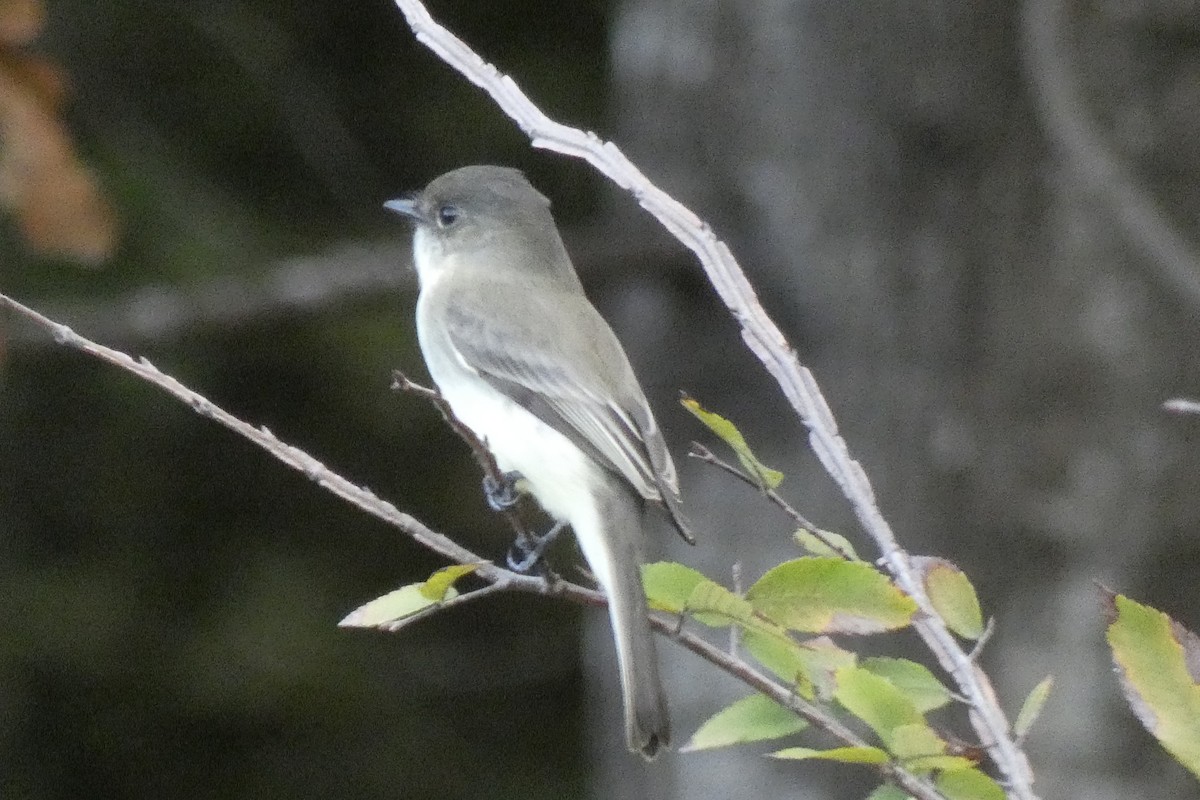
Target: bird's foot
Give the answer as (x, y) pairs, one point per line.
(502, 494)
(527, 551)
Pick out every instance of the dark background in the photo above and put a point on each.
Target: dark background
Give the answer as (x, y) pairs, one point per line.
(994, 320)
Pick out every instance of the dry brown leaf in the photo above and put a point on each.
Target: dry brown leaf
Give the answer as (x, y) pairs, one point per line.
(54, 197)
(21, 21)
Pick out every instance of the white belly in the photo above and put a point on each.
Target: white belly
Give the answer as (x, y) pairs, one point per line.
(559, 475)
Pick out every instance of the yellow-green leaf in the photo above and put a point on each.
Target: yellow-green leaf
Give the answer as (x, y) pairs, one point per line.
(830, 595)
(808, 667)
(781, 655)
(403, 602)
(438, 585)
(669, 585)
(916, 740)
(952, 596)
(846, 755)
(1158, 661)
(716, 606)
(766, 477)
(888, 712)
(911, 678)
(889, 792)
(826, 543)
(752, 719)
(968, 784)
(922, 765)
(1032, 707)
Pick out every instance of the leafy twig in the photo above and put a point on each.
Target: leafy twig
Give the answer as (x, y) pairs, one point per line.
(702, 453)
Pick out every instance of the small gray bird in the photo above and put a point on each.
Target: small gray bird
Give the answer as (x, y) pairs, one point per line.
(531, 367)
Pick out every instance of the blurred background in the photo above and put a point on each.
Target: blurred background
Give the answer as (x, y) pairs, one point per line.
(975, 221)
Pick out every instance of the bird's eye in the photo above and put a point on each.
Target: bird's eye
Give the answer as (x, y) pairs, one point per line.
(447, 216)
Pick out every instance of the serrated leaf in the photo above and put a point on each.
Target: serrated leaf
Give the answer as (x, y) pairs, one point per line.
(830, 595)
(952, 596)
(913, 679)
(752, 719)
(1158, 661)
(826, 543)
(887, 711)
(846, 755)
(1032, 707)
(669, 585)
(403, 602)
(766, 477)
(968, 784)
(438, 585)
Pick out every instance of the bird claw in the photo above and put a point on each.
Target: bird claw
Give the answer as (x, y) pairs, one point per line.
(531, 549)
(502, 494)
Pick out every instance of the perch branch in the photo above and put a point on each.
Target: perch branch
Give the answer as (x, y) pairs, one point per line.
(767, 342)
(498, 579)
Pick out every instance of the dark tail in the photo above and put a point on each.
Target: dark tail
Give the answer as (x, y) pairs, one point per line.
(617, 566)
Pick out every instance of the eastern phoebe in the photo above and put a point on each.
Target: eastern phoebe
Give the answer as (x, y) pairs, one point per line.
(531, 367)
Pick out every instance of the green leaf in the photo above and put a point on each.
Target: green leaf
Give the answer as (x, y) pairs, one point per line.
(968, 784)
(830, 595)
(781, 655)
(1158, 661)
(889, 792)
(914, 680)
(1032, 707)
(752, 719)
(403, 602)
(952, 596)
(888, 712)
(917, 741)
(809, 667)
(846, 755)
(766, 477)
(669, 585)
(715, 606)
(922, 765)
(408, 600)
(826, 543)
(677, 589)
(437, 586)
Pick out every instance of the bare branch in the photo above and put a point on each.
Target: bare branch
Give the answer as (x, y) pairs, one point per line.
(702, 453)
(343, 272)
(1182, 405)
(292, 456)
(767, 342)
(498, 579)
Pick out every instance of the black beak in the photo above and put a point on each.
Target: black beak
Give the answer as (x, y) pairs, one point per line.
(407, 206)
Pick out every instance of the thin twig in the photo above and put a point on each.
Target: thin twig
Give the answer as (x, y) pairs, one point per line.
(1182, 405)
(702, 453)
(479, 448)
(768, 343)
(498, 579)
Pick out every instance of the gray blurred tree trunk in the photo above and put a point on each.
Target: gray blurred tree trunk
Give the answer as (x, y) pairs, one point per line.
(995, 347)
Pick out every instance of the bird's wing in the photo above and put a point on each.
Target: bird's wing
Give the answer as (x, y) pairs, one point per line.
(522, 355)
(603, 411)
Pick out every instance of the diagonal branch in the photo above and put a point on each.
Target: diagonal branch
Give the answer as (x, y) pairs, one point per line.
(497, 579)
(767, 342)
